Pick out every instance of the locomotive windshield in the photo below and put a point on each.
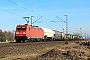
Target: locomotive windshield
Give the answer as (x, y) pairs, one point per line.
(21, 28)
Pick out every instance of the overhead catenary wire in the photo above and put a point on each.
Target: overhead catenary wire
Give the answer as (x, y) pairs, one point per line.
(19, 15)
(36, 20)
(61, 19)
(23, 7)
(10, 12)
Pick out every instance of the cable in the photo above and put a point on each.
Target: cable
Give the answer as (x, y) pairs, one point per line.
(11, 12)
(22, 7)
(36, 20)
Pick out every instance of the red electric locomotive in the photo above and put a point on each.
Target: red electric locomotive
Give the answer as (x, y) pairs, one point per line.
(26, 32)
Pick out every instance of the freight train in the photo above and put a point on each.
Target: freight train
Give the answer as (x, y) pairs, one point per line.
(25, 32)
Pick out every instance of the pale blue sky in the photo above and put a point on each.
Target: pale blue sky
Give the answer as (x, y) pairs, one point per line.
(78, 12)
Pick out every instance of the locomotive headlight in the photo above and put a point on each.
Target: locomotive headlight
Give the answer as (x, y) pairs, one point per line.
(24, 32)
(17, 32)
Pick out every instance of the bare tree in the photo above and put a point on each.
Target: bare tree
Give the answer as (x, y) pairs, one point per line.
(8, 35)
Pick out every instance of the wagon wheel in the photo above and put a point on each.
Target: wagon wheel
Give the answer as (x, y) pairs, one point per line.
(18, 40)
(23, 40)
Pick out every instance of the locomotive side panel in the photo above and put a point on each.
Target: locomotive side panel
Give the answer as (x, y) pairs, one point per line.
(36, 33)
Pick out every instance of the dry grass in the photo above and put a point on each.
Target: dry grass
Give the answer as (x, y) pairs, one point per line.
(28, 51)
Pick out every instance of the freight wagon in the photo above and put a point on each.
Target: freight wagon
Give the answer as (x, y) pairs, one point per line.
(62, 36)
(48, 34)
(57, 35)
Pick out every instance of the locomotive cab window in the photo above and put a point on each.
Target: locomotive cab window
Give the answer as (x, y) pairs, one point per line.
(21, 28)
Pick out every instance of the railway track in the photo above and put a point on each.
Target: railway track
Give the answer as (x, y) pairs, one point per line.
(35, 43)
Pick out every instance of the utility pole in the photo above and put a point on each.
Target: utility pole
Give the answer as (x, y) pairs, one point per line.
(85, 35)
(66, 28)
(63, 30)
(81, 31)
(31, 20)
(27, 19)
(66, 24)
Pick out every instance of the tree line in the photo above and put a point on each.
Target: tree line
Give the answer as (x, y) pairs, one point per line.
(6, 35)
